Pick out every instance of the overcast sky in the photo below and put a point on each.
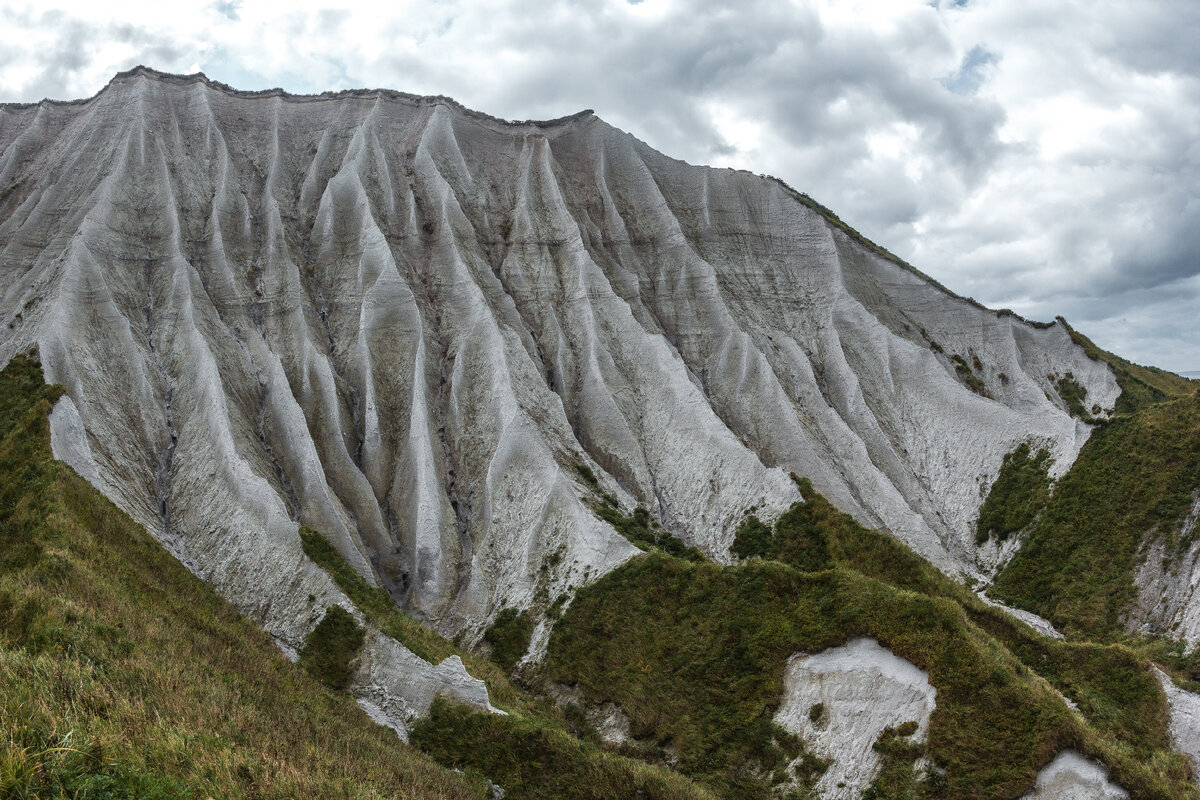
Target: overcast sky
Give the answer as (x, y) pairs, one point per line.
(1039, 155)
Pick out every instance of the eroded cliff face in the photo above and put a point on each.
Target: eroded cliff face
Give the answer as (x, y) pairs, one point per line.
(404, 324)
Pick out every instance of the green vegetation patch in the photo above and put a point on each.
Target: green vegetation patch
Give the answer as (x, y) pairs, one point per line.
(639, 527)
(897, 778)
(1134, 478)
(1074, 395)
(530, 759)
(967, 375)
(509, 636)
(330, 649)
(1018, 495)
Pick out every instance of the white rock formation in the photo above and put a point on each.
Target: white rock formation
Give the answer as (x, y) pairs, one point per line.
(1070, 776)
(1184, 719)
(403, 324)
(69, 442)
(863, 688)
(394, 685)
(1168, 583)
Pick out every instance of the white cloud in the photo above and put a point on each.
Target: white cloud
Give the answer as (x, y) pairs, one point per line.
(1036, 154)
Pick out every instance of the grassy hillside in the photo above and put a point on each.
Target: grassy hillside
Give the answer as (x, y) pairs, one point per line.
(694, 654)
(1135, 477)
(122, 675)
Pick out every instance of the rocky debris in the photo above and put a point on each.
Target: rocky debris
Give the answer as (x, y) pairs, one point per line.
(1070, 776)
(399, 686)
(857, 690)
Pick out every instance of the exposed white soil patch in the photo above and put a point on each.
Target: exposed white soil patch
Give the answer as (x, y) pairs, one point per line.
(1184, 719)
(1070, 776)
(399, 686)
(1168, 602)
(1039, 624)
(611, 723)
(863, 689)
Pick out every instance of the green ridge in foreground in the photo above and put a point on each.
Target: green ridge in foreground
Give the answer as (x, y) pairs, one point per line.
(694, 654)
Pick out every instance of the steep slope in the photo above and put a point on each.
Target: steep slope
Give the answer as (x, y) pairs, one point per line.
(122, 675)
(405, 324)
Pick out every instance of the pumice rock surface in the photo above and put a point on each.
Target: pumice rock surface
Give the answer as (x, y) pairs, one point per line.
(840, 700)
(405, 324)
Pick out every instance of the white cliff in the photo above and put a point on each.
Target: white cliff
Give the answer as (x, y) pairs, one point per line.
(1184, 719)
(1167, 578)
(404, 324)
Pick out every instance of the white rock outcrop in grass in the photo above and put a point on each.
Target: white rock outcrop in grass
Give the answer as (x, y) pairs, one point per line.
(1070, 776)
(1184, 724)
(862, 689)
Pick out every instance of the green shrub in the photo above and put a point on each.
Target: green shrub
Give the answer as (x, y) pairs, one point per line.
(1018, 495)
(1074, 395)
(752, 538)
(330, 649)
(509, 637)
(968, 376)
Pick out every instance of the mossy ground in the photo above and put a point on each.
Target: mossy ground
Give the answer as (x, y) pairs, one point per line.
(1018, 494)
(331, 647)
(509, 636)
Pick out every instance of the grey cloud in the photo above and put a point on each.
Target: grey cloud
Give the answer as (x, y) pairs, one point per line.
(1106, 232)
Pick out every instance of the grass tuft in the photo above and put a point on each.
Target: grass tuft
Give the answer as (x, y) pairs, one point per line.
(331, 647)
